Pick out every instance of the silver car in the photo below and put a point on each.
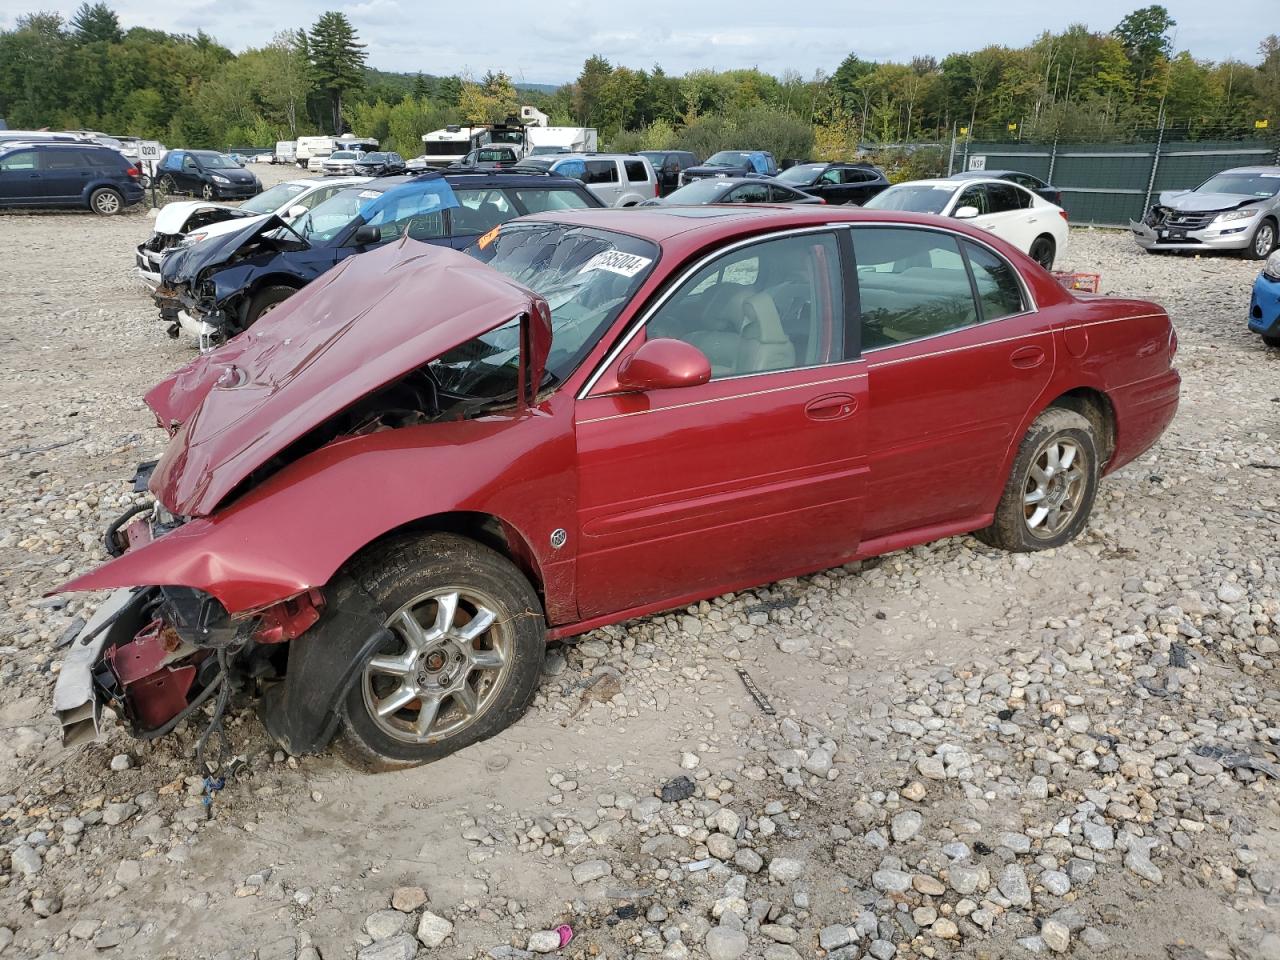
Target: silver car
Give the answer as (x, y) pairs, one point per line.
(1233, 210)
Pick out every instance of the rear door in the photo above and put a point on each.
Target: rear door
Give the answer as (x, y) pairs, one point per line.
(603, 179)
(957, 356)
(755, 475)
(1010, 215)
(19, 178)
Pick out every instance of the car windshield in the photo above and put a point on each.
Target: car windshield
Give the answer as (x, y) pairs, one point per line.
(495, 155)
(217, 161)
(402, 208)
(700, 191)
(914, 197)
(586, 276)
(269, 201)
(534, 163)
(342, 155)
(728, 158)
(374, 158)
(803, 174)
(1243, 184)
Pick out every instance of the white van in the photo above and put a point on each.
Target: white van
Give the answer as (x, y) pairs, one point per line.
(286, 152)
(617, 179)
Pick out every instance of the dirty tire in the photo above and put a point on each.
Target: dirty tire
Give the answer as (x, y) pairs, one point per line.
(397, 572)
(106, 202)
(1043, 251)
(264, 301)
(1262, 242)
(1271, 341)
(1009, 529)
(167, 185)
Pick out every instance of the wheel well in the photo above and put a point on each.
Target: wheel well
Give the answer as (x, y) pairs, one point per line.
(1049, 237)
(1096, 407)
(483, 528)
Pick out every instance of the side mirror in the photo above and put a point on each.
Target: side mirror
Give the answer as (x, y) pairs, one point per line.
(296, 211)
(663, 364)
(965, 213)
(366, 235)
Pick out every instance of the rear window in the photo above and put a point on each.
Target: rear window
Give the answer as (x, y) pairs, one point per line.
(636, 171)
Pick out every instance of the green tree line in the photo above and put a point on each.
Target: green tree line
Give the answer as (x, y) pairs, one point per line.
(93, 73)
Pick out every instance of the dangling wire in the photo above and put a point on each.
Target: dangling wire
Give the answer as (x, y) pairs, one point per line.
(216, 781)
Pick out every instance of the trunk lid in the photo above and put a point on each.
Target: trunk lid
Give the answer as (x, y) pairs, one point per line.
(368, 321)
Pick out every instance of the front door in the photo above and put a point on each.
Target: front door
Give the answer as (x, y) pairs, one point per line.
(755, 475)
(955, 364)
(19, 178)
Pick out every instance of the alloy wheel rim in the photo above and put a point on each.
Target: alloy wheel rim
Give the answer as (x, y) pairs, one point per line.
(1054, 488)
(1264, 241)
(107, 203)
(450, 656)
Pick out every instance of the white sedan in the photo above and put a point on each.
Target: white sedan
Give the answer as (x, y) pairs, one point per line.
(1014, 214)
(189, 221)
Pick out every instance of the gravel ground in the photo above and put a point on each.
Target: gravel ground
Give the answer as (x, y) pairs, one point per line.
(973, 754)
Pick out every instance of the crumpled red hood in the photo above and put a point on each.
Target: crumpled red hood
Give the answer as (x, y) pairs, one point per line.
(368, 321)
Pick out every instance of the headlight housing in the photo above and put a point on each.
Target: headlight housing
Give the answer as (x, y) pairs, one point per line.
(1272, 267)
(192, 238)
(218, 179)
(1235, 215)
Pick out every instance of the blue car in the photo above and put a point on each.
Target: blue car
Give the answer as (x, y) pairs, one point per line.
(220, 286)
(67, 174)
(1264, 308)
(732, 163)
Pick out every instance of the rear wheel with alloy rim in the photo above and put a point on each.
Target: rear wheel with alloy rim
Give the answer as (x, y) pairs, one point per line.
(468, 639)
(1043, 251)
(1050, 491)
(1263, 242)
(106, 202)
(167, 185)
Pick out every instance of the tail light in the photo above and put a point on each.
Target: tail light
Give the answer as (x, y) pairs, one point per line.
(133, 172)
(1173, 342)
(657, 188)
(1063, 215)
(822, 200)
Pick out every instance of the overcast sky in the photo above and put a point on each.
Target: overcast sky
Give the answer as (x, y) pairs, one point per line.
(547, 42)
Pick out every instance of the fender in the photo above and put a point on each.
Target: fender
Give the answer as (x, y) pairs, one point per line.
(296, 529)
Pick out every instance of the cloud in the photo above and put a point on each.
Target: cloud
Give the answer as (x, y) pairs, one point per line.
(547, 44)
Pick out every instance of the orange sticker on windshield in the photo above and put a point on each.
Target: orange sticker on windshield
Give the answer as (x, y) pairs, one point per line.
(488, 238)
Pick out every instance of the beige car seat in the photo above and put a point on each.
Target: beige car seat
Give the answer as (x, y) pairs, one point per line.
(764, 345)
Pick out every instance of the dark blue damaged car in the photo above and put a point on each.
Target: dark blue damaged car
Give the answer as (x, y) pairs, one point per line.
(1264, 307)
(219, 287)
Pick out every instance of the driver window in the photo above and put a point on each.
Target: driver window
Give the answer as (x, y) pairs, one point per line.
(750, 193)
(831, 176)
(420, 214)
(775, 305)
(188, 163)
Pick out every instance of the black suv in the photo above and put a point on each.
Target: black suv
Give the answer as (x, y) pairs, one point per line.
(222, 285)
(669, 164)
(66, 174)
(732, 163)
(837, 182)
(206, 173)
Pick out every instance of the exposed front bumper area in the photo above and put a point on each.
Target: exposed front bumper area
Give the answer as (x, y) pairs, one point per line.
(1228, 235)
(77, 700)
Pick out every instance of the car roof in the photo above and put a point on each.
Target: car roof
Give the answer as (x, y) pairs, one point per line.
(988, 174)
(492, 178)
(56, 144)
(1263, 169)
(661, 224)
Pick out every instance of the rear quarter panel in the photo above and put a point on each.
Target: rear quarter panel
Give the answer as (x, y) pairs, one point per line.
(1124, 349)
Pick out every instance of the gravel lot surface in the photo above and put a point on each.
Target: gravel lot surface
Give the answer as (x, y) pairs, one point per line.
(973, 754)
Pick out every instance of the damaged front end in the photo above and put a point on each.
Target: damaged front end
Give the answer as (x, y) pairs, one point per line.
(1193, 221)
(156, 655)
(200, 287)
(221, 583)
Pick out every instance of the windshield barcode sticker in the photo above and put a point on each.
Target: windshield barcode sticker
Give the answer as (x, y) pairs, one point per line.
(615, 261)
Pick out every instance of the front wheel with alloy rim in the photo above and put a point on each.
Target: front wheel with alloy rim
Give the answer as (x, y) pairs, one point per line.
(207, 191)
(1043, 251)
(1263, 242)
(1050, 491)
(463, 662)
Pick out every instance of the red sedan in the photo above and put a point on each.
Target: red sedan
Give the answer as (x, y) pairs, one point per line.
(380, 502)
